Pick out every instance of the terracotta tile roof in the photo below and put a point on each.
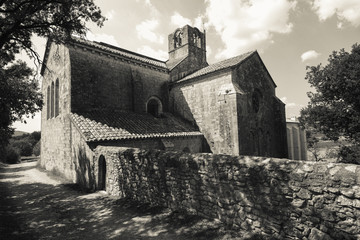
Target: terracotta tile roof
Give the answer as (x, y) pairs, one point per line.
(173, 63)
(115, 125)
(122, 52)
(219, 66)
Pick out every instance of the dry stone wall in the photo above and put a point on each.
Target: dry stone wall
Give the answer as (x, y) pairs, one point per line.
(277, 197)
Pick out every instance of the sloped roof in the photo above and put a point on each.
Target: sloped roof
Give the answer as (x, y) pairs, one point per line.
(122, 52)
(110, 49)
(219, 66)
(104, 125)
(171, 64)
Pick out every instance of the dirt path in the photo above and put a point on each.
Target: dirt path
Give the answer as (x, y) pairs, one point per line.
(36, 206)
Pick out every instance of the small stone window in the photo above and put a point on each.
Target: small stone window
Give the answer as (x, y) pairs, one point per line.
(178, 38)
(52, 100)
(154, 106)
(48, 103)
(196, 38)
(57, 97)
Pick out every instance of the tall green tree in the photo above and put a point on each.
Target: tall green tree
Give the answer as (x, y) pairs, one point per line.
(19, 97)
(334, 107)
(19, 21)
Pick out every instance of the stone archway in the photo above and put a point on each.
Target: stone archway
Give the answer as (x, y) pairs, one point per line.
(154, 106)
(102, 173)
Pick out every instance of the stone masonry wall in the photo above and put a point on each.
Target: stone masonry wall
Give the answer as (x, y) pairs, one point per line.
(205, 104)
(281, 198)
(100, 81)
(55, 131)
(262, 130)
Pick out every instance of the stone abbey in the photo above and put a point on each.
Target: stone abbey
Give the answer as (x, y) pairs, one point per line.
(97, 94)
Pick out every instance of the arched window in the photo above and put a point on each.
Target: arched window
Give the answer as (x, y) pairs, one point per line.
(178, 38)
(48, 103)
(57, 98)
(196, 38)
(154, 106)
(52, 100)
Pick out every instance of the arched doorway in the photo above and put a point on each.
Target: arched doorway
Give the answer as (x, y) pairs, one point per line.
(154, 106)
(102, 173)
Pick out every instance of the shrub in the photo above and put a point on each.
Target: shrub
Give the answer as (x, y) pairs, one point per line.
(24, 146)
(350, 154)
(36, 149)
(12, 155)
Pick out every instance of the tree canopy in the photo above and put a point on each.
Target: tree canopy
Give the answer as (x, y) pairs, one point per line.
(19, 96)
(55, 19)
(19, 21)
(334, 107)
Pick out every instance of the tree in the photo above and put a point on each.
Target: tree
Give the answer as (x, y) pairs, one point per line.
(54, 19)
(19, 20)
(19, 97)
(334, 107)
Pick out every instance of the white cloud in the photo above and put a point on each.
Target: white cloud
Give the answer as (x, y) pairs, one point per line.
(309, 55)
(157, 54)
(110, 14)
(180, 21)
(345, 10)
(289, 104)
(145, 30)
(102, 37)
(247, 24)
(208, 51)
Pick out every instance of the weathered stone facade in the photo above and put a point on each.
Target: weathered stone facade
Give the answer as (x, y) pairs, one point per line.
(97, 94)
(236, 109)
(281, 198)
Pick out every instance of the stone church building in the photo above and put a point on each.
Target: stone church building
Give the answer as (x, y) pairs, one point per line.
(97, 94)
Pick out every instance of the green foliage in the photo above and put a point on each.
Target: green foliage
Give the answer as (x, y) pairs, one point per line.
(313, 144)
(19, 97)
(334, 107)
(349, 154)
(25, 144)
(37, 149)
(57, 20)
(12, 155)
(25, 147)
(21, 19)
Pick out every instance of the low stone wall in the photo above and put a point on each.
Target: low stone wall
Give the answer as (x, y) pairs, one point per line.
(278, 197)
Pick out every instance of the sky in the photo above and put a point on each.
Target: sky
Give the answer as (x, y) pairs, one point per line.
(288, 34)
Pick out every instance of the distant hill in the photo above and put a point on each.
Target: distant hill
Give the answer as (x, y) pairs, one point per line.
(19, 133)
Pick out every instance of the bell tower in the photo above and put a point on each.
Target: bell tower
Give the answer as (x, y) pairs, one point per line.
(187, 45)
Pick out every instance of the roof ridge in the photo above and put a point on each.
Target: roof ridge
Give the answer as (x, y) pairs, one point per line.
(120, 51)
(227, 63)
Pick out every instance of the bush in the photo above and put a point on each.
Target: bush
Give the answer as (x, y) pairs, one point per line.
(12, 155)
(26, 149)
(36, 149)
(349, 154)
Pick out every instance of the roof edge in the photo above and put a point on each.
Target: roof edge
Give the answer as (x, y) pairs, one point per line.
(251, 53)
(46, 55)
(100, 46)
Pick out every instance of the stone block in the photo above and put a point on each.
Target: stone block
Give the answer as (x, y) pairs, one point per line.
(316, 234)
(304, 194)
